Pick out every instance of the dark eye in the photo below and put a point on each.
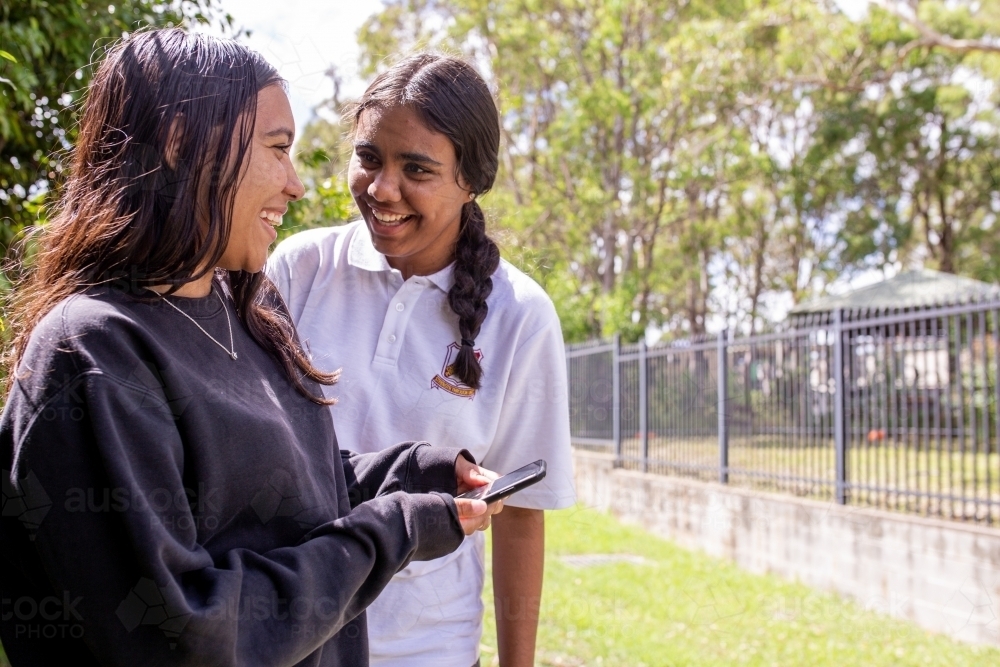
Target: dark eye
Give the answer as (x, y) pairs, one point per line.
(284, 148)
(416, 169)
(367, 157)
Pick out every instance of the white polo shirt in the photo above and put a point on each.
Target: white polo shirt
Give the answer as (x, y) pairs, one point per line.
(395, 340)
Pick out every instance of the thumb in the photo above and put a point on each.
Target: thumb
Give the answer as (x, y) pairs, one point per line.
(469, 508)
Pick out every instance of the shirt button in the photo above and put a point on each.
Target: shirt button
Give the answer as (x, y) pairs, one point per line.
(400, 307)
(392, 338)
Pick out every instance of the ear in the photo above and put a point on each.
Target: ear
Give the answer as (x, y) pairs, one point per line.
(174, 135)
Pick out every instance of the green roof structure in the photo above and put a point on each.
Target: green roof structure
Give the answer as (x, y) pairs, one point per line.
(910, 290)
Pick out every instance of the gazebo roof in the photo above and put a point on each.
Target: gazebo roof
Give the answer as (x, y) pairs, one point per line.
(918, 289)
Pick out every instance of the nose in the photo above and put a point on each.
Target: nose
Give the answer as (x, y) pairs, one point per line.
(384, 187)
(293, 186)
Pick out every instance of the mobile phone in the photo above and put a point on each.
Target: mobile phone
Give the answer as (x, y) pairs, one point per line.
(510, 483)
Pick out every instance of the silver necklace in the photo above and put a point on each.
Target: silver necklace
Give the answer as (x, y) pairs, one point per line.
(231, 351)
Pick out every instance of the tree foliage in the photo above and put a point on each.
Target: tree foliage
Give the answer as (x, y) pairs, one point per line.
(47, 51)
(670, 161)
(321, 157)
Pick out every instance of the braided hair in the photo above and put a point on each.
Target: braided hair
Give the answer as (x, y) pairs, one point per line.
(452, 99)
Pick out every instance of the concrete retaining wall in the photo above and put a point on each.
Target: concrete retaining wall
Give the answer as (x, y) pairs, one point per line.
(941, 575)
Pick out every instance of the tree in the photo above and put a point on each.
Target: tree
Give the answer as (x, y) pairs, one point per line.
(321, 161)
(47, 51)
(628, 159)
(666, 162)
(917, 150)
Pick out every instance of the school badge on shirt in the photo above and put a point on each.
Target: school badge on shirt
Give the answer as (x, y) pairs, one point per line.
(446, 379)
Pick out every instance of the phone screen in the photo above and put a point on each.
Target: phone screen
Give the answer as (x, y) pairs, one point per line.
(509, 483)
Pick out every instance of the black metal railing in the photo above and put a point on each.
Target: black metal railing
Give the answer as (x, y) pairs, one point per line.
(896, 410)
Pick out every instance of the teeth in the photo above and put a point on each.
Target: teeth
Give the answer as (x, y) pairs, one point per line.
(272, 218)
(387, 218)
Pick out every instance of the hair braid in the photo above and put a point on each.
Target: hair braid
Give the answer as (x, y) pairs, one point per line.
(476, 259)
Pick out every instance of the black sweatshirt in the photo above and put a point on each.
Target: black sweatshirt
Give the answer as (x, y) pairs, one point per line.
(164, 504)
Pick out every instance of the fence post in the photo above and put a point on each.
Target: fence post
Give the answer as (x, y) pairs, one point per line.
(643, 413)
(722, 394)
(839, 394)
(616, 398)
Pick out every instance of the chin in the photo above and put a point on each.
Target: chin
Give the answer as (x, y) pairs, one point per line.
(247, 267)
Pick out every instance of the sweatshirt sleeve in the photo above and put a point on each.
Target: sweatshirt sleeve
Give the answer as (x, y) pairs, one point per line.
(414, 467)
(146, 591)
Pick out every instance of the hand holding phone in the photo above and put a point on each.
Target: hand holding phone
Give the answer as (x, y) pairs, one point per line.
(474, 515)
(510, 483)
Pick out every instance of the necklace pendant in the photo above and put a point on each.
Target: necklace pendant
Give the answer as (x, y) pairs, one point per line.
(231, 350)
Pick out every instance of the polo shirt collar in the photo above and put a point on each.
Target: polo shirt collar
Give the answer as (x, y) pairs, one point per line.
(362, 254)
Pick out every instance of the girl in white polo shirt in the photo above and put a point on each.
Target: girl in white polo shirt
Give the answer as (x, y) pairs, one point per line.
(439, 339)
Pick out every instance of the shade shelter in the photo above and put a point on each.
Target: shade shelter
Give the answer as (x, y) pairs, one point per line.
(910, 291)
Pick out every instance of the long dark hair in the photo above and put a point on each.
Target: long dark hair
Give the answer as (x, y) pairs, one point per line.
(453, 99)
(152, 184)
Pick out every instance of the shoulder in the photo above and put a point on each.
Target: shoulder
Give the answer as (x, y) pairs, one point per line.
(312, 244)
(516, 295)
(86, 319)
(306, 260)
(88, 333)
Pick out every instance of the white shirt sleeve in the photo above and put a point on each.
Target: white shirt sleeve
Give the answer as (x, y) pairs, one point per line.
(534, 421)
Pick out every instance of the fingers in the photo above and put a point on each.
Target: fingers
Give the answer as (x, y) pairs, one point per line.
(474, 514)
(487, 474)
(469, 476)
(468, 509)
(479, 475)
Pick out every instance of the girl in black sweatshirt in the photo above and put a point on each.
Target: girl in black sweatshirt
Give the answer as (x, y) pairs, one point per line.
(173, 491)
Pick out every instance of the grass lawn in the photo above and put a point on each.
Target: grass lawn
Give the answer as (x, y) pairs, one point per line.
(663, 606)
(666, 606)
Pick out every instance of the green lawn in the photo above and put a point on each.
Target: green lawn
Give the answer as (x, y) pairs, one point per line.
(677, 607)
(666, 606)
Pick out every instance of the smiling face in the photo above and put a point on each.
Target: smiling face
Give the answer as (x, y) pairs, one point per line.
(269, 182)
(404, 178)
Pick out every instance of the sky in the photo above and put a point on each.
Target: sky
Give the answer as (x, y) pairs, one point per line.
(302, 38)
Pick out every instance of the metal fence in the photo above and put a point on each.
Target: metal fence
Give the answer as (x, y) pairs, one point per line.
(895, 410)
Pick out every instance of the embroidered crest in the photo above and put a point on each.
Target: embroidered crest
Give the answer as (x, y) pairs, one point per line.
(446, 379)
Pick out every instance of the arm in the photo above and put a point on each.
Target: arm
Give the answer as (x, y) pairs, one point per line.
(411, 467)
(420, 468)
(534, 424)
(518, 566)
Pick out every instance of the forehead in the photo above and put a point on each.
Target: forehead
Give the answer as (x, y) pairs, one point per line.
(273, 110)
(398, 130)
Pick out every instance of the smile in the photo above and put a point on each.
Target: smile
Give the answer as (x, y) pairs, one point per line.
(272, 218)
(389, 219)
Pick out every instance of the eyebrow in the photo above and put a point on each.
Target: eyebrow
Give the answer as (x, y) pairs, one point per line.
(420, 157)
(412, 157)
(281, 130)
